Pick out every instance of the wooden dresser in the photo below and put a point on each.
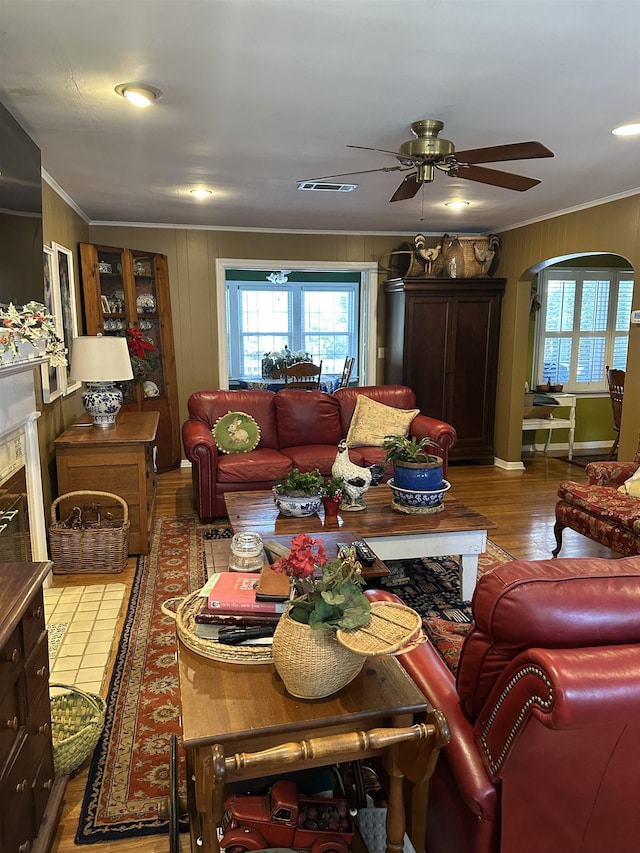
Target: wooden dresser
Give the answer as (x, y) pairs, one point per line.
(30, 796)
(119, 460)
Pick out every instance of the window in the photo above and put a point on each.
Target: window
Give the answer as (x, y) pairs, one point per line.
(583, 326)
(313, 312)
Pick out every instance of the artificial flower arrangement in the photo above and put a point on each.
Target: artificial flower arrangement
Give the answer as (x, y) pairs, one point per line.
(335, 598)
(30, 323)
(277, 359)
(142, 352)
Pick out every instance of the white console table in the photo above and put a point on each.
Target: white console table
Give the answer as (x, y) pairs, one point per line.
(566, 401)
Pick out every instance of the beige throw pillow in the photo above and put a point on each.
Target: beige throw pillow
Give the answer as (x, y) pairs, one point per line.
(372, 421)
(632, 485)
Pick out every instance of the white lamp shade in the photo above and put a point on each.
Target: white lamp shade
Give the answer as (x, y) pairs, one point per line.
(100, 358)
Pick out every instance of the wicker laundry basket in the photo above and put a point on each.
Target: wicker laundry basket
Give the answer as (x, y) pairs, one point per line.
(77, 720)
(92, 548)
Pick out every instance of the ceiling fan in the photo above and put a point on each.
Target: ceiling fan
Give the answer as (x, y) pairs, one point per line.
(428, 152)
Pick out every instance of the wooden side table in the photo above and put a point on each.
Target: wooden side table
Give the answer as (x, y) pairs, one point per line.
(238, 722)
(119, 460)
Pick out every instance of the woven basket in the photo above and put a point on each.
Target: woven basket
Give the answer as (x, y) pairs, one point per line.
(311, 661)
(93, 549)
(77, 720)
(184, 616)
(471, 267)
(392, 629)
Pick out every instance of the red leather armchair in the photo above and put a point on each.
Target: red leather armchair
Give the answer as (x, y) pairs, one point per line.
(544, 713)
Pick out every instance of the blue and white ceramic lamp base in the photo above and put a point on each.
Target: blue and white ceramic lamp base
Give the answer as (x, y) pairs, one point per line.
(103, 401)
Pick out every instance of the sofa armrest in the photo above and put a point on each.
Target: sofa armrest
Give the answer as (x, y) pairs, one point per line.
(440, 432)
(609, 473)
(198, 443)
(562, 690)
(435, 680)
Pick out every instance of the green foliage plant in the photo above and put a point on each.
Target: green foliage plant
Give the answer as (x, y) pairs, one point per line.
(298, 483)
(402, 449)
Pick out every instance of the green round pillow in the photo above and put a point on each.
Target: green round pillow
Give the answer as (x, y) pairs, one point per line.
(236, 432)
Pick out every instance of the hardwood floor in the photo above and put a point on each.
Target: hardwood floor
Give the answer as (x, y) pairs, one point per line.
(520, 502)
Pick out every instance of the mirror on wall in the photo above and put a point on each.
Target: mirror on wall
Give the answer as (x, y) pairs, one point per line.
(21, 270)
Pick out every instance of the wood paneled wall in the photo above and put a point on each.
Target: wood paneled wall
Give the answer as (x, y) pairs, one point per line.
(63, 225)
(613, 227)
(192, 255)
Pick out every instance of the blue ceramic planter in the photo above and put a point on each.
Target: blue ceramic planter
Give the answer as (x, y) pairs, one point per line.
(417, 478)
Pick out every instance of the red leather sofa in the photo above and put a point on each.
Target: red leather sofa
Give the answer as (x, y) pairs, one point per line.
(298, 429)
(544, 713)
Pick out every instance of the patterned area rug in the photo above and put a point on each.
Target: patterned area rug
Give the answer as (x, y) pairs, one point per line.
(129, 773)
(431, 585)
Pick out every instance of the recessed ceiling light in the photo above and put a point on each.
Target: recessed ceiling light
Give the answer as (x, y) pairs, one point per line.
(627, 130)
(200, 193)
(141, 96)
(456, 205)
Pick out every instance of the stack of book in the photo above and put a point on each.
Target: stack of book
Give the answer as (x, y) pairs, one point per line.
(242, 600)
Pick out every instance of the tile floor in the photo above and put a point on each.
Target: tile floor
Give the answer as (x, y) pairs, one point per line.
(83, 622)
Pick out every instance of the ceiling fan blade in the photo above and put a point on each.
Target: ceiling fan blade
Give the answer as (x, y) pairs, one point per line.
(363, 172)
(496, 178)
(407, 189)
(498, 153)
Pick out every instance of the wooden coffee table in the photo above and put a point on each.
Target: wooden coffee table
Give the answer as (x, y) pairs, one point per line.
(457, 530)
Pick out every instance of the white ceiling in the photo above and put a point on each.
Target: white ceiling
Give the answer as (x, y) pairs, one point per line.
(259, 94)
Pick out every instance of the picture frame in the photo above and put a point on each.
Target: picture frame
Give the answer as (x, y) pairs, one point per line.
(64, 273)
(54, 379)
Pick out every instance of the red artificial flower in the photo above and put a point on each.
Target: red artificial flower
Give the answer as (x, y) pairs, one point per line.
(138, 344)
(302, 560)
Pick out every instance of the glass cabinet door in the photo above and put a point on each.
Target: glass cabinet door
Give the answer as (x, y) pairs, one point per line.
(145, 344)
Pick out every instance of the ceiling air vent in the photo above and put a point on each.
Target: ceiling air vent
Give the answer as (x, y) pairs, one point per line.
(323, 186)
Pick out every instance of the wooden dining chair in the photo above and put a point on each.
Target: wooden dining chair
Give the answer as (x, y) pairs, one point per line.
(346, 372)
(303, 374)
(615, 381)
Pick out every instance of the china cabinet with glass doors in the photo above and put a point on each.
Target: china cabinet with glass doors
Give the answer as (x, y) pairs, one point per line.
(126, 292)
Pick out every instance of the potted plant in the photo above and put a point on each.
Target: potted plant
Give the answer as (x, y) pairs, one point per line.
(298, 493)
(329, 596)
(414, 468)
(332, 493)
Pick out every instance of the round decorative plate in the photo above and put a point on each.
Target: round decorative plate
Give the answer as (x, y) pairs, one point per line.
(236, 432)
(146, 303)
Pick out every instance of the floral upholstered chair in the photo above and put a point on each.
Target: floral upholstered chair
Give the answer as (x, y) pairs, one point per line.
(606, 509)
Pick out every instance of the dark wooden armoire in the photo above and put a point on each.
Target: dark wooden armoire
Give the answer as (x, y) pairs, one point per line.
(442, 341)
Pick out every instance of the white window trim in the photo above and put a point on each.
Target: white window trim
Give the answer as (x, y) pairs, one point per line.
(368, 320)
(583, 272)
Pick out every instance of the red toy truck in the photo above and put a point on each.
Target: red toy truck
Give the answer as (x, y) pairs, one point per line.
(283, 819)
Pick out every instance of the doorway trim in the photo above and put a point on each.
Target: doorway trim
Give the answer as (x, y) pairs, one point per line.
(367, 321)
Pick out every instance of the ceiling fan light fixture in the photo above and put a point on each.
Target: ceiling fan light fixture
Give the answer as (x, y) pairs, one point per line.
(627, 130)
(456, 205)
(139, 95)
(200, 192)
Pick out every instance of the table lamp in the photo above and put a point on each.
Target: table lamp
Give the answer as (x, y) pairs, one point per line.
(100, 361)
